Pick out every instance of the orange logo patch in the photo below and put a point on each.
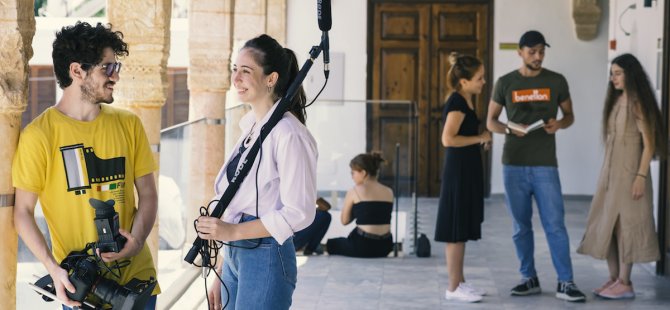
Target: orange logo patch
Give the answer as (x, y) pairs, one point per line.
(531, 95)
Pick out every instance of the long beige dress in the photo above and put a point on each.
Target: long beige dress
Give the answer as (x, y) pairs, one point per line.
(613, 199)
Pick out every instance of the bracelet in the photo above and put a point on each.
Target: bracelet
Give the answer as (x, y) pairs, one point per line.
(641, 175)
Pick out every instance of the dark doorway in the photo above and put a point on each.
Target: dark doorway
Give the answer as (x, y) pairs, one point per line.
(408, 53)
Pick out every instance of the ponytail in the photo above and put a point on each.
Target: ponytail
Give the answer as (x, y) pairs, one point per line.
(369, 162)
(297, 106)
(462, 67)
(274, 58)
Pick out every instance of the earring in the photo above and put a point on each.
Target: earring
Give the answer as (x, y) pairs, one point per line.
(269, 89)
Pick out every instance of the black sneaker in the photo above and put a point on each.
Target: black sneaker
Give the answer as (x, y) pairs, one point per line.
(569, 291)
(528, 286)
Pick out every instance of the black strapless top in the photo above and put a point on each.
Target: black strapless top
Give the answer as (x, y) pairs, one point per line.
(372, 212)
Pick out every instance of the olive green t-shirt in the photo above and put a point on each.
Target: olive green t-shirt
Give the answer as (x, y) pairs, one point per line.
(526, 100)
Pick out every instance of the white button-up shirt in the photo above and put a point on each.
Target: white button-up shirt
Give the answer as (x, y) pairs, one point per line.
(286, 177)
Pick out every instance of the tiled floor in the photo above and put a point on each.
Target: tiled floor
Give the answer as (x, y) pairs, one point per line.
(408, 282)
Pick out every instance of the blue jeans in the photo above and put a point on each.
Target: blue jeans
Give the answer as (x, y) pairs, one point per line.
(260, 278)
(542, 182)
(151, 304)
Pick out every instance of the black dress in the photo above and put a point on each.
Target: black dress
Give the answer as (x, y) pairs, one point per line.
(461, 206)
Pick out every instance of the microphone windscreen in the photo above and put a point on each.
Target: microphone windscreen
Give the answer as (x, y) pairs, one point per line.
(323, 14)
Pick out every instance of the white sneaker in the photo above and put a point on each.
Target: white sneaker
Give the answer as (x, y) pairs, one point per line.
(473, 289)
(461, 294)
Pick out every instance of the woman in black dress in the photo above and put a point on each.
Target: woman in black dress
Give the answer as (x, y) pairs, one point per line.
(461, 208)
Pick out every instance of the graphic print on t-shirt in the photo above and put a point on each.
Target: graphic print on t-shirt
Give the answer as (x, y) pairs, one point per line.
(531, 95)
(83, 168)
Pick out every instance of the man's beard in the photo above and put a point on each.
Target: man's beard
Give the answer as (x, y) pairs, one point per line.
(531, 67)
(88, 93)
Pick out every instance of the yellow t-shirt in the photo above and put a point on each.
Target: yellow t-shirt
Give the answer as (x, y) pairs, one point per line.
(65, 162)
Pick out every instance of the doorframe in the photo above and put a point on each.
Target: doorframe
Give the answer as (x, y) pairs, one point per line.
(663, 219)
(488, 158)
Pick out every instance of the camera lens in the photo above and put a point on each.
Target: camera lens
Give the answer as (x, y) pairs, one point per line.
(110, 291)
(134, 295)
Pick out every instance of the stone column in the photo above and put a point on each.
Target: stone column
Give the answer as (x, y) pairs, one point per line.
(276, 20)
(143, 85)
(17, 28)
(210, 39)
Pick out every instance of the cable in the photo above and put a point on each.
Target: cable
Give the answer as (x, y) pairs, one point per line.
(209, 249)
(260, 158)
(319, 93)
(224, 287)
(117, 265)
(632, 6)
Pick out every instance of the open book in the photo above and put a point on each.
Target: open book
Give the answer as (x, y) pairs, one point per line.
(518, 127)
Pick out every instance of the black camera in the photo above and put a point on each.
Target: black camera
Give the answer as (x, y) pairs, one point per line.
(84, 272)
(107, 225)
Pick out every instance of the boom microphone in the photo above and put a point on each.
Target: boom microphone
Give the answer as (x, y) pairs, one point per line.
(323, 14)
(325, 22)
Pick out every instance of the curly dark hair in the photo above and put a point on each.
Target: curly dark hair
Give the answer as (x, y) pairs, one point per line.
(368, 162)
(83, 43)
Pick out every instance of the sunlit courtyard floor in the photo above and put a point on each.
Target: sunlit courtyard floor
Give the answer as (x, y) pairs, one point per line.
(408, 282)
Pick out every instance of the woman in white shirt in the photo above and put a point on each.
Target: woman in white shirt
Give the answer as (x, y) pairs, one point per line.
(276, 198)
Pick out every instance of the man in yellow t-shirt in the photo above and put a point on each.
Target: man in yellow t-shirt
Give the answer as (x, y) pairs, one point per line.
(81, 149)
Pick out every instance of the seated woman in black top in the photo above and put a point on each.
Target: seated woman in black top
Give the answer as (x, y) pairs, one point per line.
(370, 203)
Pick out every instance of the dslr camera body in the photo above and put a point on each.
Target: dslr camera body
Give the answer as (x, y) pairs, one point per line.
(85, 273)
(85, 270)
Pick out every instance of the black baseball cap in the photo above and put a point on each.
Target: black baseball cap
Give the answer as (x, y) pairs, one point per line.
(532, 38)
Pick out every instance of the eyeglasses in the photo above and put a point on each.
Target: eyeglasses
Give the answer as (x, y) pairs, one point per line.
(109, 68)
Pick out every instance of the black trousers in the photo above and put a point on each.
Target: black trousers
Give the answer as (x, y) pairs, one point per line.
(361, 244)
(310, 237)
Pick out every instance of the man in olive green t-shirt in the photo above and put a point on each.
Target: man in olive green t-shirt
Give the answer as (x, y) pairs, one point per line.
(530, 168)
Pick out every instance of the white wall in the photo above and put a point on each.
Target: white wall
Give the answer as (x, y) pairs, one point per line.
(645, 25)
(338, 126)
(583, 63)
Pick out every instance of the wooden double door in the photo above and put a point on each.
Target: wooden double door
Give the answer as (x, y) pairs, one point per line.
(409, 47)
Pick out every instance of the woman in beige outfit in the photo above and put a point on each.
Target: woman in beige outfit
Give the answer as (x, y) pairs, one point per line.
(620, 226)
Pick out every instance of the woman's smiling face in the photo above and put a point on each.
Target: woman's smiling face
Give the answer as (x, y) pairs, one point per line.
(248, 78)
